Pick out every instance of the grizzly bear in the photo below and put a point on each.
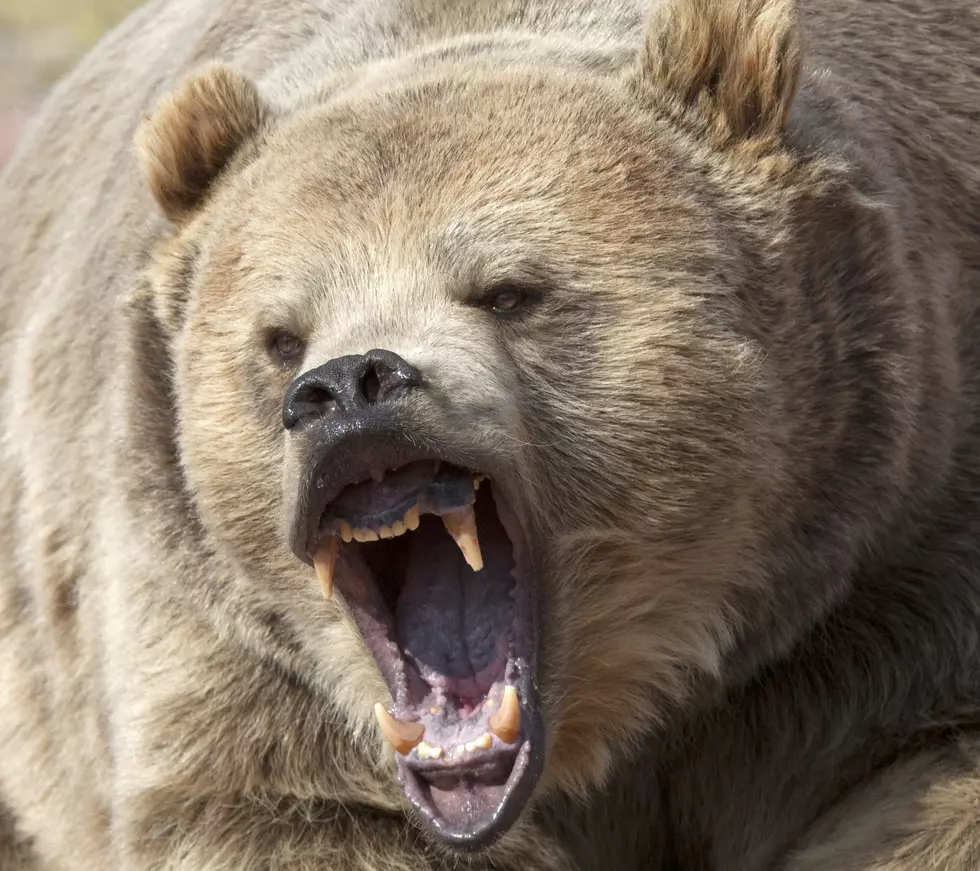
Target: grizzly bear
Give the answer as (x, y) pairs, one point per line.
(496, 434)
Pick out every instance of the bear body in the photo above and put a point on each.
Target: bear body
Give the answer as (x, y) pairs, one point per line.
(734, 407)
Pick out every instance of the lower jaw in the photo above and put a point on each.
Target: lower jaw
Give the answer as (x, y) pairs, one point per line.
(457, 802)
(468, 793)
(468, 812)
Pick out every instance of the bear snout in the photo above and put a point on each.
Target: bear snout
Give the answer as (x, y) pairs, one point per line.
(346, 385)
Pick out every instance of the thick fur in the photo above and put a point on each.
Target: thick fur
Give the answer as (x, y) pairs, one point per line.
(745, 409)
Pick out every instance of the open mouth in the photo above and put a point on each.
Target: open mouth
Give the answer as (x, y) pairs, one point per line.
(434, 565)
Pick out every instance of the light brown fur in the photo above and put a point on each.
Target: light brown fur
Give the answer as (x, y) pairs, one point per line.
(921, 813)
(745, 413)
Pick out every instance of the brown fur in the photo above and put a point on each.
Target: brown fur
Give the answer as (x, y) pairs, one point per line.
(194, 134)
(745, 412)
(735, 64)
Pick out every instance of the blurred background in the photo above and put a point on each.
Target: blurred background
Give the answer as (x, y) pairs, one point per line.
(40, 40)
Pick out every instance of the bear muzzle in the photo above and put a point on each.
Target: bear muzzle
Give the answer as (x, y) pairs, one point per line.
(423, 545)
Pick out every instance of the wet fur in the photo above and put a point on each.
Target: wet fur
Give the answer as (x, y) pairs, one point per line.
(760, 600)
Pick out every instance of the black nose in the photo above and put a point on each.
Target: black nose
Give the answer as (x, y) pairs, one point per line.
(346, 384)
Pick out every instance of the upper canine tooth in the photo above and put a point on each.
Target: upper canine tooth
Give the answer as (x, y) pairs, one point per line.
(402, 736)
(506, 723)
(346, 533)
(412, 518)
(461, 525)
(324, 562)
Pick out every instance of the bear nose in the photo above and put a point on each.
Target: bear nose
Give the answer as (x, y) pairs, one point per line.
(348, 384)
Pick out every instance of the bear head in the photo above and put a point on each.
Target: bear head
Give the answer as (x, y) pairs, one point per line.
(477, 338)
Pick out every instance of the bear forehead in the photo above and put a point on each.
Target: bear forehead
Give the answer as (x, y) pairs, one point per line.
(490, 175)
(513, 137)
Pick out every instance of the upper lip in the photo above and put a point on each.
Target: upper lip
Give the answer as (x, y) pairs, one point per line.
(355, 451)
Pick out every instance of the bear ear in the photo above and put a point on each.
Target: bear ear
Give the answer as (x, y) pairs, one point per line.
(193, 134)
(737, 62)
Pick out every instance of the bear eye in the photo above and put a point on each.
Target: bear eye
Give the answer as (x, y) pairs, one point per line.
(285, 346)
(506, 299)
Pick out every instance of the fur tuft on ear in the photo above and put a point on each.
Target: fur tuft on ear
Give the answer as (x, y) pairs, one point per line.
(192, 135)
(736, 62)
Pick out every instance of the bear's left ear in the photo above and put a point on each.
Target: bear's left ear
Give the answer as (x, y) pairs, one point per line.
(735, 62)
(193, 134)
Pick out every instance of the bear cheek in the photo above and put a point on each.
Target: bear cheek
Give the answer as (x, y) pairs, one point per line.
(232, 445)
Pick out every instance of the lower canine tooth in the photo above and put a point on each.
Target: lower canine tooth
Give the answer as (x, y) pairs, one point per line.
(461, 525)
(402, 736)
(324, 562)
(506, 723)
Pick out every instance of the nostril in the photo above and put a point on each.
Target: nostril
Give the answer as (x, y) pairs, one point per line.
(371, 384)
(317, 396)
(307, 401)
(387, 374)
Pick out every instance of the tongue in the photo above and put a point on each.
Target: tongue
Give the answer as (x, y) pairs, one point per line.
(451, 621)
(467, 806)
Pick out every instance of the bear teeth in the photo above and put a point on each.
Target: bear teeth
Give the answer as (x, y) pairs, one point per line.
(461, 525)
(484, 742)
(426, 751)
(506, 723)
(409, 523)
(402, 736)
(324, 562)
(412, 518)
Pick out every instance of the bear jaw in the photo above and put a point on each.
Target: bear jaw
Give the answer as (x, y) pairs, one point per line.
(444, 599)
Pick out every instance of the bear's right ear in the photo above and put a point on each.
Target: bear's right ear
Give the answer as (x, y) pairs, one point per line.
(735, 63)
(193, 133)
